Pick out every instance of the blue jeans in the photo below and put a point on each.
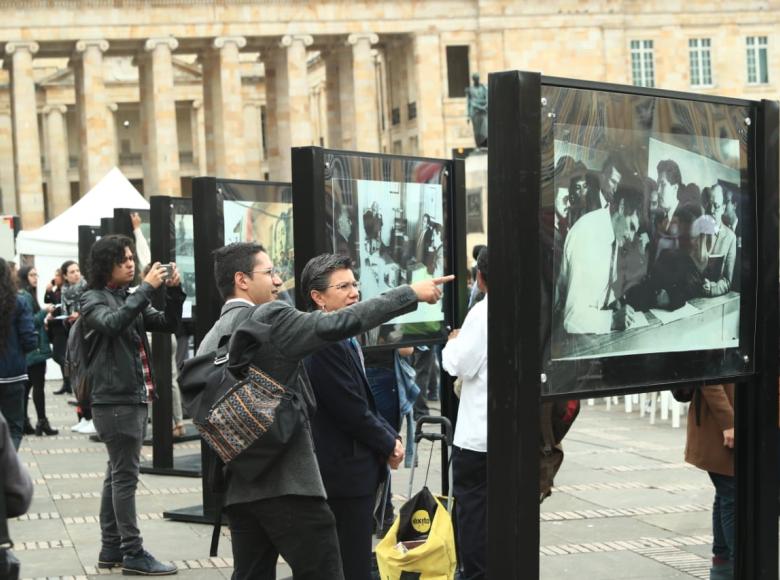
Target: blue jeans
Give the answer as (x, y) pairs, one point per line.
(12, 407)
(723, 516)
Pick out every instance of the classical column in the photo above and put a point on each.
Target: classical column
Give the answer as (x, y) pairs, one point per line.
(430, 110)
(333, 98)
(271, 117)
(113, 150)
(91, 112)
(59, 185)
(27, 149)
(346, 99)
(7, 183)
(197, 131)
(364, 92)
(293, 123)
(224, 115)
(161, 158)
(252, 141)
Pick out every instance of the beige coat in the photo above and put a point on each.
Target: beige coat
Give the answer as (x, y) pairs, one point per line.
(704, 446)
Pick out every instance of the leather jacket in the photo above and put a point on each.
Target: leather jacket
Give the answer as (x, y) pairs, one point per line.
(115, 324)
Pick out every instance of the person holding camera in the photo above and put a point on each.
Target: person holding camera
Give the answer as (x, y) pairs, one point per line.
(119, 374)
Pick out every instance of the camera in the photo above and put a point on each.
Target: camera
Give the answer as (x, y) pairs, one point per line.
(168, 270)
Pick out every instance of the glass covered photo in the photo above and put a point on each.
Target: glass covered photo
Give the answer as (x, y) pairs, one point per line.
(643, 210)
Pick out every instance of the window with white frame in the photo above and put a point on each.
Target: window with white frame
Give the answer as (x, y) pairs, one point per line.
(701, 62)
(642, 67)
(757, 60)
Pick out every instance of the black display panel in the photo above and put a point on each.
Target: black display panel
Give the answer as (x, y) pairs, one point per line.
(123, 225)
(647, 215)
(392, 216)
(226, 211)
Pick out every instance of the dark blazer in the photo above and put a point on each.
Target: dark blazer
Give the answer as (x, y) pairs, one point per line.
(351, 440)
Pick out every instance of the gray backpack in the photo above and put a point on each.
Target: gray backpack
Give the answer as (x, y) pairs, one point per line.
(78, 354)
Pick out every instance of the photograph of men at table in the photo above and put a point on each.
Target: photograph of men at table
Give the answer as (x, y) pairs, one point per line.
(649, 267)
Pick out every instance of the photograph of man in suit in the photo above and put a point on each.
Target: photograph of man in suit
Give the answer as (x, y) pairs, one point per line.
(589, 275)
(354, 444)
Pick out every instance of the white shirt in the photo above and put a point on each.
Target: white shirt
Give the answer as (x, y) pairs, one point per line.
(466, 357)
(585, 272)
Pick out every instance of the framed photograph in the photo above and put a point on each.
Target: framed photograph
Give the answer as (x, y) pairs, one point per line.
(647, 214)
(227, 211)
(392, 216)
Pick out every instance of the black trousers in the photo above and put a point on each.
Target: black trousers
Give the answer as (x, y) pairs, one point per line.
(300, 529)
(469, 474)
(36, 382)
(354, 521)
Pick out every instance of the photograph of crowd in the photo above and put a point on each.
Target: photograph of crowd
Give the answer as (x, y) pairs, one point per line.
(646, 245)
(394, 233)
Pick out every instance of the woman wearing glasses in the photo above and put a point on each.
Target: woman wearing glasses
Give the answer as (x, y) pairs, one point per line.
(354, 444)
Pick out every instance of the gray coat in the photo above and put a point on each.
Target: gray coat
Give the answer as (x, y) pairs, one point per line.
(16, 481)
(295, 335)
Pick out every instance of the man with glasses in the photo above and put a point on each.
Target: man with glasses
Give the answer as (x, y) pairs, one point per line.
(245, 277)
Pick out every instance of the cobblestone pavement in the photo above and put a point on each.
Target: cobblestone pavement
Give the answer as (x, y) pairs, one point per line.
(626, 505)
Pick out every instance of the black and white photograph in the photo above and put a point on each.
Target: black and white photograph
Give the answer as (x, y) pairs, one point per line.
(394, 230)
(645, 245)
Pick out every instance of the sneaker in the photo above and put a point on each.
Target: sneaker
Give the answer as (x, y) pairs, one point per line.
(144, 564)
(88, 428)
(109, 558)
(77, 427)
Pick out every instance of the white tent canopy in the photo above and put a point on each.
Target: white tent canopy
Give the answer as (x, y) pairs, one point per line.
(60, 237)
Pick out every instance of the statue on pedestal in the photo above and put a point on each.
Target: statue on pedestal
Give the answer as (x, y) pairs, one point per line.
(477, 101)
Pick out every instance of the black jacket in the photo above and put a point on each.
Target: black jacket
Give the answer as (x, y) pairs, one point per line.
(351, 440)
(120, 320)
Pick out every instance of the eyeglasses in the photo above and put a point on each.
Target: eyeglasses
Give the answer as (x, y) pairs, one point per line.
(273, 272)
(341, 287)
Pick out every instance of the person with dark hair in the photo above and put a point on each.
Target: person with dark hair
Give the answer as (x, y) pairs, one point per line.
(476, 294)
(670, 185)
(284, 511)
(245, 277)
(611, 173)
(36, 359)
(122, 383)
(465, 356)
(57, 331)
(17, 337)
(353, 443)
(718, 282)
(587, 282)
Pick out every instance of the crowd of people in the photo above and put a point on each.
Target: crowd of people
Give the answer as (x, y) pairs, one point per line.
(625, 243)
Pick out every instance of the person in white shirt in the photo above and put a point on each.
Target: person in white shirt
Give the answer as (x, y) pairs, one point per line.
(587, 283)
(465, 356)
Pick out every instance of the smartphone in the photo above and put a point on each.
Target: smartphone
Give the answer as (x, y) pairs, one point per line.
(168, 270)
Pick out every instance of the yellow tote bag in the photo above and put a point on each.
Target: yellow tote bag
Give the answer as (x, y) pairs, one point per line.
(433, 560)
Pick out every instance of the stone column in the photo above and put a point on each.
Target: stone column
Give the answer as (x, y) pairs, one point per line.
(7, 184)
(293, 122)
(346, 99)
(197, 131)
(113, 152)
(28, 173)
(364, 92)
(430, 110)
(252, 141)
(161, 160)
(59, 185)
(91, 112)
(224, 114)
(271, 116)
(333, 98)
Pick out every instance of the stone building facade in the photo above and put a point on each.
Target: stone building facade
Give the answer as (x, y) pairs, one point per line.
(170, 89)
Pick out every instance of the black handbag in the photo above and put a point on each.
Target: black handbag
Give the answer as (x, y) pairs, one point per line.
(9, 564)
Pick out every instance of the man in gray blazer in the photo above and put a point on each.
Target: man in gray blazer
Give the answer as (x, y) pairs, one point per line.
(284, 512)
